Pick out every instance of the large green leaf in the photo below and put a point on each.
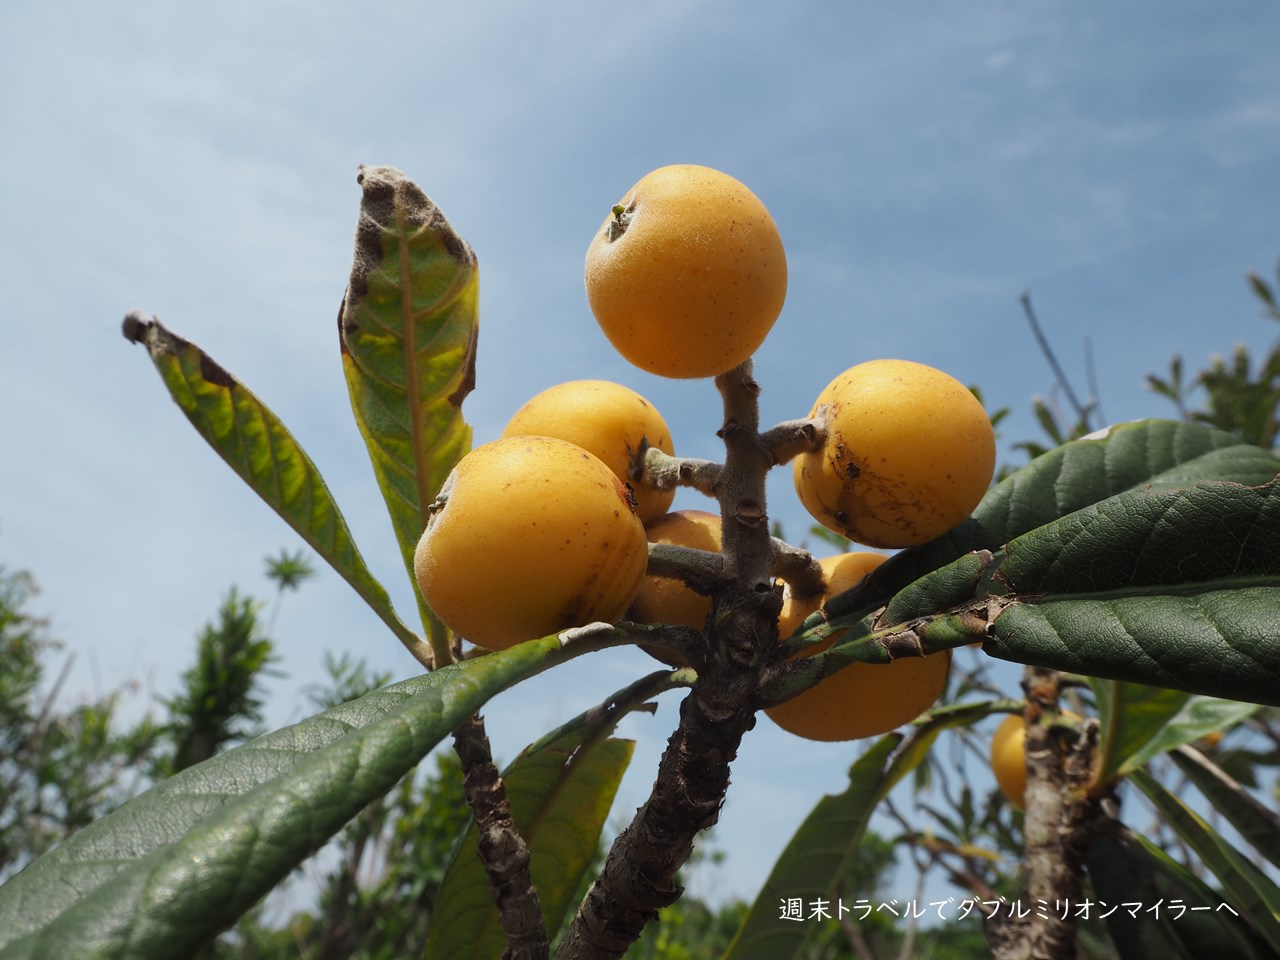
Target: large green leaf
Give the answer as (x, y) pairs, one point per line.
(819, 854)
(1178, 589)
(1178, 915)
(258, 447)
(1207, 534)
(560, 789)
(170, 869)
(1218, 643)
(1155, 455)
(1251, 893)
(1258, 826)
(408, 330)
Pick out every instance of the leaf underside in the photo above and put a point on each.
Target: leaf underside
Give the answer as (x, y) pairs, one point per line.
(408, 328)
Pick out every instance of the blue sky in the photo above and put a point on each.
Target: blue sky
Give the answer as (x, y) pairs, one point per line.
(925, 165)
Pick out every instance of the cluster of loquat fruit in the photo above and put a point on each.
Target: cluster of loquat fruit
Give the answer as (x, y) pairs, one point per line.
(686, 277)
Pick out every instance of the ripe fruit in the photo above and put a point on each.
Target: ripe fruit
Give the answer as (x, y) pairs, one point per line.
(687, 273)
(842, 572)
(530, 535)
(664, 599)
(909, 453)
(605, 419)
(862, 699)
(1009, 759)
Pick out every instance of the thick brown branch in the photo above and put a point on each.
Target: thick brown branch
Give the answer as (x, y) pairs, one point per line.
(639, 875)
(502, 849)
(1061, 823)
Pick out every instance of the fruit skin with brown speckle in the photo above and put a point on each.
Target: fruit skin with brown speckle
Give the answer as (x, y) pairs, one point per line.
(861, 699)
(687, 274)
(529, 536)
(909, 452)
(607, 419)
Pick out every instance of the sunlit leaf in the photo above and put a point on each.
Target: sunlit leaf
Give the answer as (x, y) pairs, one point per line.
(408, 329)
(262, 451)
(1148, 722)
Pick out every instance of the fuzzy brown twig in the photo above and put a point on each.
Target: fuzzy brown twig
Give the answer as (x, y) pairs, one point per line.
(502, 850)
(799, 569)
(666, 472)
(790, 439)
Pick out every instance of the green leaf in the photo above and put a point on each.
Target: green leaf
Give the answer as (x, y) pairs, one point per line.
(1177, 589)
(1048, 422)
(925, 731)
(560, 789)
(1251, 893)
(560, 799)
(1257, 825)
(1148, 721)
(169, 870)
(1261, 290)
(408, 328)
(1152, 455)
(261, 450)
(814, 861)
(1131, 714)
(1219, 643)
(1128, 869)
(819, 854)
(1211, 533)
(947, 587)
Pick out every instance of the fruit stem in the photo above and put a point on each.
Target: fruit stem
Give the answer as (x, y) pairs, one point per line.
(700, 570)
(665, 472)
(799, 569)
(791, 438)
(621, 220)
